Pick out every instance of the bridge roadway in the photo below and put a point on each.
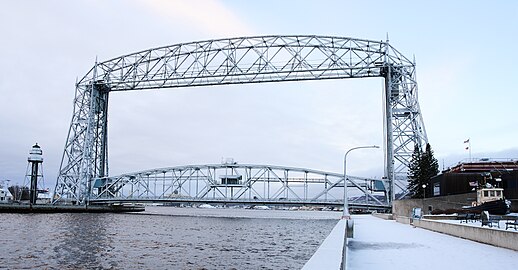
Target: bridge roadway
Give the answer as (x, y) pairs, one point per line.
(352, 205)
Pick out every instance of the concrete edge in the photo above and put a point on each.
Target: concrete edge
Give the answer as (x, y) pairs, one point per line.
(402, 219)
(498, 238)
(60, 208)
(504, 239)
(331, 253)
(383, 216)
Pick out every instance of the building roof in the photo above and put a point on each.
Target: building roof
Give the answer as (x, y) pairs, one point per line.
(485, 165)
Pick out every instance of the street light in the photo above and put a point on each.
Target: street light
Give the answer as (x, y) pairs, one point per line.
(424, 191)
(346, 214)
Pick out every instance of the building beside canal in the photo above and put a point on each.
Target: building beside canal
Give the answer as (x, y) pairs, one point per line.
(466, 177)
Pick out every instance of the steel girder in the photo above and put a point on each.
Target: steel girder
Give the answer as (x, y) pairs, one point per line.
(257, 183)
(237, 61)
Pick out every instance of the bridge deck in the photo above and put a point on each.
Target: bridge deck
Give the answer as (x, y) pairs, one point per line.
(243, 202)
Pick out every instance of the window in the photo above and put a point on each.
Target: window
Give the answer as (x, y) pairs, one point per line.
(486, 193)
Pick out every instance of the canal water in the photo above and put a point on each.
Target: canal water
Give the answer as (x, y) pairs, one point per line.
(164, 238)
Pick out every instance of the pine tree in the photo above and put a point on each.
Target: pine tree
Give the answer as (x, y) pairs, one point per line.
(423, 167)
(414, 172)
(429, 167)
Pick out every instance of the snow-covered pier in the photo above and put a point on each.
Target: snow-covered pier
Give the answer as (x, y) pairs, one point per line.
(387, 244)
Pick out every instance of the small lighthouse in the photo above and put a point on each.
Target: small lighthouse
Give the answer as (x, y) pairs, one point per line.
(35, 158)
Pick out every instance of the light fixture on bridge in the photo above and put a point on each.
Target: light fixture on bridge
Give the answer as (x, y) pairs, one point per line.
(346, 214)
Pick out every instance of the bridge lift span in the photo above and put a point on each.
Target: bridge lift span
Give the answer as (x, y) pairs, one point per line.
(237, 61)
(237, 183)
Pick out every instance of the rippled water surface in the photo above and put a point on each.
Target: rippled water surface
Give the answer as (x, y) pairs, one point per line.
(163, 238)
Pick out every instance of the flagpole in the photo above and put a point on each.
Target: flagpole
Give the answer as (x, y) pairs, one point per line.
(468, 141)
(469, 145)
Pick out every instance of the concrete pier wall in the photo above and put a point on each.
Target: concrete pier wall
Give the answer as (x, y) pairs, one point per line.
(505, 239)
(383, 216)
(404, 207)
(58, 208)
(331, 253)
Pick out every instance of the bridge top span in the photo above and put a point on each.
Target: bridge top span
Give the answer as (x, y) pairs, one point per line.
(260, 40)
(234, 166)
(246, 60)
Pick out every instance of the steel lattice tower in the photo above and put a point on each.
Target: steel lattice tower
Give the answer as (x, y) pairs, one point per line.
(238, 61)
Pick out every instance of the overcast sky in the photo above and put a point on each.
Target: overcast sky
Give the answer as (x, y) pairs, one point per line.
(466, 71)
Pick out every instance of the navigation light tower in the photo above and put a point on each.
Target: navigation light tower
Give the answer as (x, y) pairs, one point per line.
(35, 158)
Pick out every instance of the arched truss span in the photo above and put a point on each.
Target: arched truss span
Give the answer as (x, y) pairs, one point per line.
(241, 183)
(237, 61)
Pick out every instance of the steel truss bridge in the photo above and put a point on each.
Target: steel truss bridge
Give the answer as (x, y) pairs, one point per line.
(241, 60)
(237, 184)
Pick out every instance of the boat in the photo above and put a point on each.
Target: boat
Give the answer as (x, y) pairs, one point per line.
(490, 199)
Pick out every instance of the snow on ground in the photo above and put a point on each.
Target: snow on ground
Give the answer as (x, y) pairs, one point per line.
(386, 244)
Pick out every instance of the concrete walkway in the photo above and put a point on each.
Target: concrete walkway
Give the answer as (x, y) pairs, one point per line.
(386, 244)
